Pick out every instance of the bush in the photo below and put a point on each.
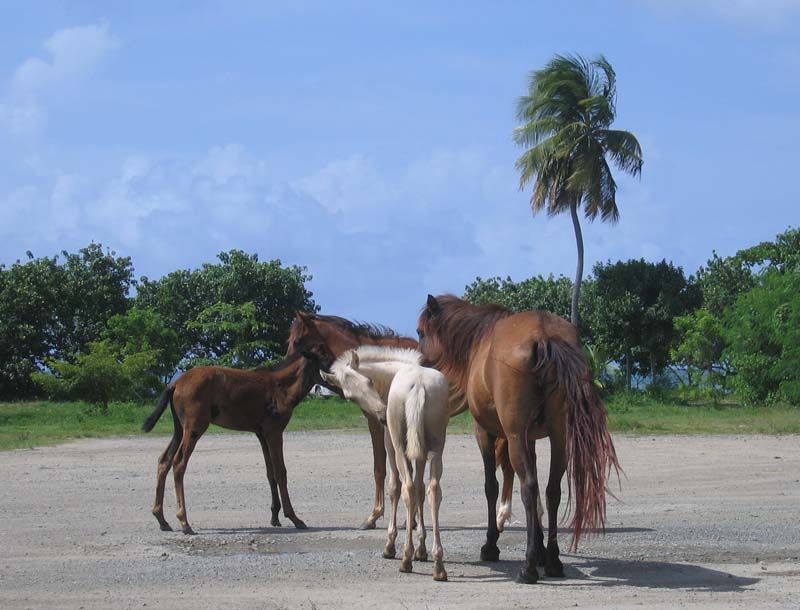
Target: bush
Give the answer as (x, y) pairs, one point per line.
(99, 376)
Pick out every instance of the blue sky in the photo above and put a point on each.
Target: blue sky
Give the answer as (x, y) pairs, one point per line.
(372, 144)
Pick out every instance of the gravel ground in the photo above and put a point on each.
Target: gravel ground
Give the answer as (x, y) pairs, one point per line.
(701, 522)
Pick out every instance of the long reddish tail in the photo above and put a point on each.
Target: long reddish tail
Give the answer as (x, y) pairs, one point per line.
(590, 450)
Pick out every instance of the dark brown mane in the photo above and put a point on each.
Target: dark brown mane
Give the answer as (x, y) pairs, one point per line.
(459, 327)
(361, 330)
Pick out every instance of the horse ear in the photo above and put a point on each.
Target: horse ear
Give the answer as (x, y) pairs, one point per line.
(433, 304)
(328, 377)
(354, 360)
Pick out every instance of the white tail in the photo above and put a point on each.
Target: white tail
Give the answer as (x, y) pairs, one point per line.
(415, 424)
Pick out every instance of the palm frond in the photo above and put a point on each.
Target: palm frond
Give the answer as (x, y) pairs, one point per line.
(624, 150)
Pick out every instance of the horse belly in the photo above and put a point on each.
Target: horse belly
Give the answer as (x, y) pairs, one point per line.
(487, 418)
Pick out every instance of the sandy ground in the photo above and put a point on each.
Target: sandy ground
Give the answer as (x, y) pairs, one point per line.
(703, 522)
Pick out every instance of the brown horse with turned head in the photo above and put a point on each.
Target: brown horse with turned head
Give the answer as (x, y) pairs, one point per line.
(341, 335)
(260, 400)
(525, 377)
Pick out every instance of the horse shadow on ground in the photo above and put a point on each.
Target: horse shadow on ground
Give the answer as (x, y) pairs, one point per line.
(561, 530)
(279, 530)
(598, 571)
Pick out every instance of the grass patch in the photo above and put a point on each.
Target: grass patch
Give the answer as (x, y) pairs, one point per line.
(33, 424)
(641, 414)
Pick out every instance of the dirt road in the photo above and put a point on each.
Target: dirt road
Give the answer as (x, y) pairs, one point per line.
(701, 522)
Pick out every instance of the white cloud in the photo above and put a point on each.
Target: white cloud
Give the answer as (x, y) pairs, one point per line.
(72, 55)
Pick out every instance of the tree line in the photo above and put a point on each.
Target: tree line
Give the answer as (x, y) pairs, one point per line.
(732, 326)
(80, 324)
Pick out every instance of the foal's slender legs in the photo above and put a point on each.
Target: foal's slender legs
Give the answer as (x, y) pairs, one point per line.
(275, 507)
(275, 444)
(486, 444)
(435, 500)
(164, 465)
(421, 553)
(410, 500)
(390, 550)
(179, 464)
(379, 447)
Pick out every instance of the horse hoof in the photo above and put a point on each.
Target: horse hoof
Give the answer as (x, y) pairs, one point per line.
(405, 566)
(389, 552)
(439, 573)
(187, 529)
(165, 527)
(490, 553)
(554, 569)
(527, 578)
(420, 556)
(275, 523)
(367, 525)
(300, 524)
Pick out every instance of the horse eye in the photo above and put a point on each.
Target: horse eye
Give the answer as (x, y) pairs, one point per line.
(420, 334)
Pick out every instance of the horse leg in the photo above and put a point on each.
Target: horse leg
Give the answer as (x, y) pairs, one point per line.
(421, 553)
(275, 446)
(486, 444)
(179, 464)
(558, 465)
(502, 459)
(379, 446)
(538, 536)
(524, 462)
(390, 550)
(164, 465)
(275, 507)
(435, 500)
(409, 499)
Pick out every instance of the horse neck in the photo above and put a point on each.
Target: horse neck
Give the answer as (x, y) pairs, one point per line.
(296, 379)
(382, 374)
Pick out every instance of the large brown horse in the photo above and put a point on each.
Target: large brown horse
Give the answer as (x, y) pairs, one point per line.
(525, 377)
(341, 335)
(259, 401)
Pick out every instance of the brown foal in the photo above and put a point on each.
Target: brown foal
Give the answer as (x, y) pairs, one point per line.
(259, 401)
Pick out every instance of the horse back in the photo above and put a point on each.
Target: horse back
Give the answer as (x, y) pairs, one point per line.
(231, 398)
(514, 339)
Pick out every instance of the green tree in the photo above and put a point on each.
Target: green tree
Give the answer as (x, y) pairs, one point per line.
(566, 118)
(551, 294)
(98, 376)
(54, 308)
(231, 335)
(699, 349)
(763, 334)
(143, 330)
(182, 297)
(634, 304)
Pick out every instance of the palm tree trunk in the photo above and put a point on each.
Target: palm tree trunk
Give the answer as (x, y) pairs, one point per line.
(576, 287)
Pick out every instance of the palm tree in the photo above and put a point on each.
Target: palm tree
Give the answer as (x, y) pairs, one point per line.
(565, 120)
